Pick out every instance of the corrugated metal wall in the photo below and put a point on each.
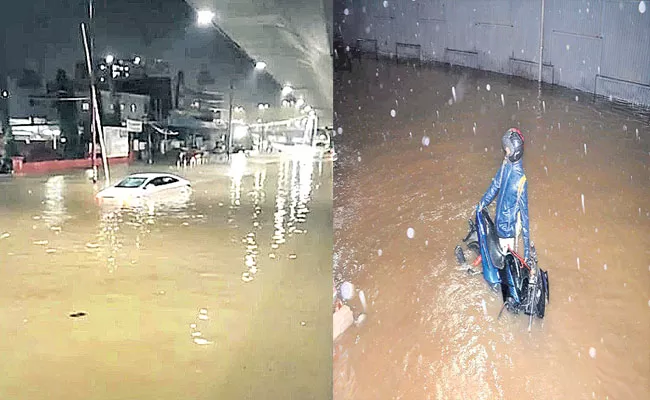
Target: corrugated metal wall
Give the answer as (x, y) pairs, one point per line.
(600, 46)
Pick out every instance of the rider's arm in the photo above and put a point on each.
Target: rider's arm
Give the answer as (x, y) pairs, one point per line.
(525, 231)
(492, 190)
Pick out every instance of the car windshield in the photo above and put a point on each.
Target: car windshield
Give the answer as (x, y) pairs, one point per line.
(131, 182)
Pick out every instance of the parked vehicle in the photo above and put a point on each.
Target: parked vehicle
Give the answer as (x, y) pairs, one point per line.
(146, 185)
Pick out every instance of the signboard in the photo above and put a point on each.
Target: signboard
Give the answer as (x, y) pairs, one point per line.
(133, 125)
(117, 141)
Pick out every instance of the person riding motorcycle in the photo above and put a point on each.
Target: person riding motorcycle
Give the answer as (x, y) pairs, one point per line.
(510, 188)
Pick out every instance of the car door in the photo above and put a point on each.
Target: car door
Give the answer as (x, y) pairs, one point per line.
(171, 182)
(154, 186)
(166, 183)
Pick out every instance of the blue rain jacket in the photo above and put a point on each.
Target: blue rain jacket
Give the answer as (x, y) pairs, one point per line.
(512, 200)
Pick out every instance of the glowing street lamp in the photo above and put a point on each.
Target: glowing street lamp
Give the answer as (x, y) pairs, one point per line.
(204, 17)
(287, 90)
(110, 58)
(137, 60)
(260, 65)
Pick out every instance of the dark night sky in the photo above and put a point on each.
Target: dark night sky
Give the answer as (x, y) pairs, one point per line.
(45, 35)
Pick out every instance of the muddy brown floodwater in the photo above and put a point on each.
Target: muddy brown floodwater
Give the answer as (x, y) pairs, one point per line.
(417, 149)
(167, 313)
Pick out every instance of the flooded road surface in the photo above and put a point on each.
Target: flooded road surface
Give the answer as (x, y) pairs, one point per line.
(417, 149)
(223, 295)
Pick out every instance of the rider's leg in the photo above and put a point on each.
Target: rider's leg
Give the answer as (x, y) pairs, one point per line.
(506, 243)
(517, 232)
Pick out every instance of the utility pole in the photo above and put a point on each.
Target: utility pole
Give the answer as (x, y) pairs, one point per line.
(230, 121)
(93, 100)
(93, 92)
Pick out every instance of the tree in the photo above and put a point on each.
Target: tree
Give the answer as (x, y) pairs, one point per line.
(29, 79)
(67, 110)
(8, 146)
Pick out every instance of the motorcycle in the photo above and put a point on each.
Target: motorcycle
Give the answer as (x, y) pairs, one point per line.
(523, 285)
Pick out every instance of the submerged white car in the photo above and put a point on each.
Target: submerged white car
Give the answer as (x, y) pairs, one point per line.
(146, 185)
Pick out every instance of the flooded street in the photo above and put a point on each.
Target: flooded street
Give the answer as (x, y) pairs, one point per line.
(418, 148)
(219, 295)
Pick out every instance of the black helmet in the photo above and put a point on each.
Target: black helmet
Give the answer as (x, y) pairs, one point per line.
(513, 140)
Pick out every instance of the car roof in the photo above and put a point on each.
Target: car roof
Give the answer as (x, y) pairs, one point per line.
(150, 175)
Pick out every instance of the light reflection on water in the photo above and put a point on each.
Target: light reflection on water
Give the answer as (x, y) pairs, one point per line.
(55, 212)
(294, 187)
(127, 225)
(165, 275)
